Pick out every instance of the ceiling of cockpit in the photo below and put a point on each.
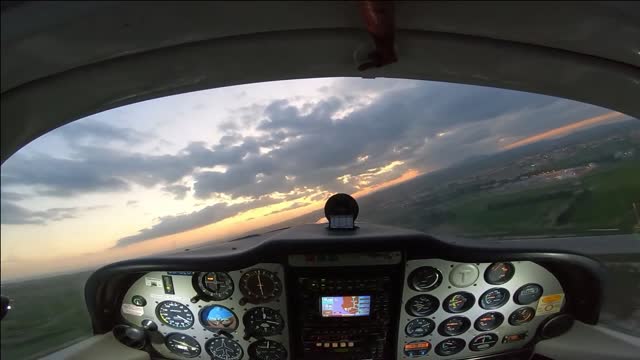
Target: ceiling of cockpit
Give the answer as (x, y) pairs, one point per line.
(52, 53)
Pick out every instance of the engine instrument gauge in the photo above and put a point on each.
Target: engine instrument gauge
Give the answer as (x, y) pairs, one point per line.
(499, 273)
(488, 321)
(527, 294)
(458, 302)
(522, 315)
(425, 278)
(263, 321)
(454, 326)
(483, 342)
(494, 298)
(419, 327)
(265, 349)
(450, 346)
(183, 345)
(214, 286)
(223, 348)
(174, 314)
(216, 317)
(417, 348)
(260, 286)
(422, 305)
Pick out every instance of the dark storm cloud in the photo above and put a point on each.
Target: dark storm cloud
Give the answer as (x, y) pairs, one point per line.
(13, 214)
(169, 225)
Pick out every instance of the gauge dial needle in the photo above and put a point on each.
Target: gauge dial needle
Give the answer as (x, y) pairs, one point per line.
(184, 344)
(260, 285)
(180, 317)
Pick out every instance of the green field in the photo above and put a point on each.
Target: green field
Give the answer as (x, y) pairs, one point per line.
(602, 200)
(46, 314)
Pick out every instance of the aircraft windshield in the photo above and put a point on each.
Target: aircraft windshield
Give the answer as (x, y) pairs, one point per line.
(455, 161)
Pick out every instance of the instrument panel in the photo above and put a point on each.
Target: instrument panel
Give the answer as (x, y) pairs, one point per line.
(443, 310)
(454, 310)
(217, 315)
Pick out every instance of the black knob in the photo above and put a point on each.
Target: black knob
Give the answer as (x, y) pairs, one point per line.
(135, 333)
(5, 306)
(149, 325)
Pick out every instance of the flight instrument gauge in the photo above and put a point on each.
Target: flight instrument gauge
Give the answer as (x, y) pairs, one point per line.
(183, 345)
(425, 278)
(422, 305)
(419, 327)
(174, 314)
(217, 317)
(267, 350)
(214, 286)
(223, 348)
(260, 286)
(263, 321)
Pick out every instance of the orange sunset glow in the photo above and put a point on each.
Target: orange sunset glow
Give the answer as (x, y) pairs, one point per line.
(564, 130)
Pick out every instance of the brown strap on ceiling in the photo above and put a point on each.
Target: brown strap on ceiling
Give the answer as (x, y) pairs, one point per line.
(379, 17)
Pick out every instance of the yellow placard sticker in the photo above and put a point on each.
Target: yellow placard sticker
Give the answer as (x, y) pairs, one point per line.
(549, 304)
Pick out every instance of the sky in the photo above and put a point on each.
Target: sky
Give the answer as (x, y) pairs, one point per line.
(177, 171)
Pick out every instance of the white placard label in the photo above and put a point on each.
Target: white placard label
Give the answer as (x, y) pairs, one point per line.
(152, 282)
(132, 309)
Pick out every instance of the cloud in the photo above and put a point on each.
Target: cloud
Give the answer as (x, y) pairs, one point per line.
(295, 205)
(179, 191)
(169, 225)
(132, 202)
(13, 196)
(13, 214)
(95, 131)
(290, 146)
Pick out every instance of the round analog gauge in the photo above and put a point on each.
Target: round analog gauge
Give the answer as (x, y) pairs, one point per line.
(458, 302)
(425, 278)
(450, 347)
(488, 321)
(265, 349)
(527, 294)
(223, 348)
(174, 314)
(494, 298)
(419, 327)
(499, 273)
(263, 321)
(483, 342)
(260, 286)
(183, 345)
(422, 305)
(214, 286)
(216, 317)
(417, 348)
(522, 315)
(454, 326)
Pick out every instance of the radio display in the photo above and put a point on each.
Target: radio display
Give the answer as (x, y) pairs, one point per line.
(345, 306)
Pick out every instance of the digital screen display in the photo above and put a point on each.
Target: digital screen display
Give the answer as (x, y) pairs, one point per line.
(345, 306)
